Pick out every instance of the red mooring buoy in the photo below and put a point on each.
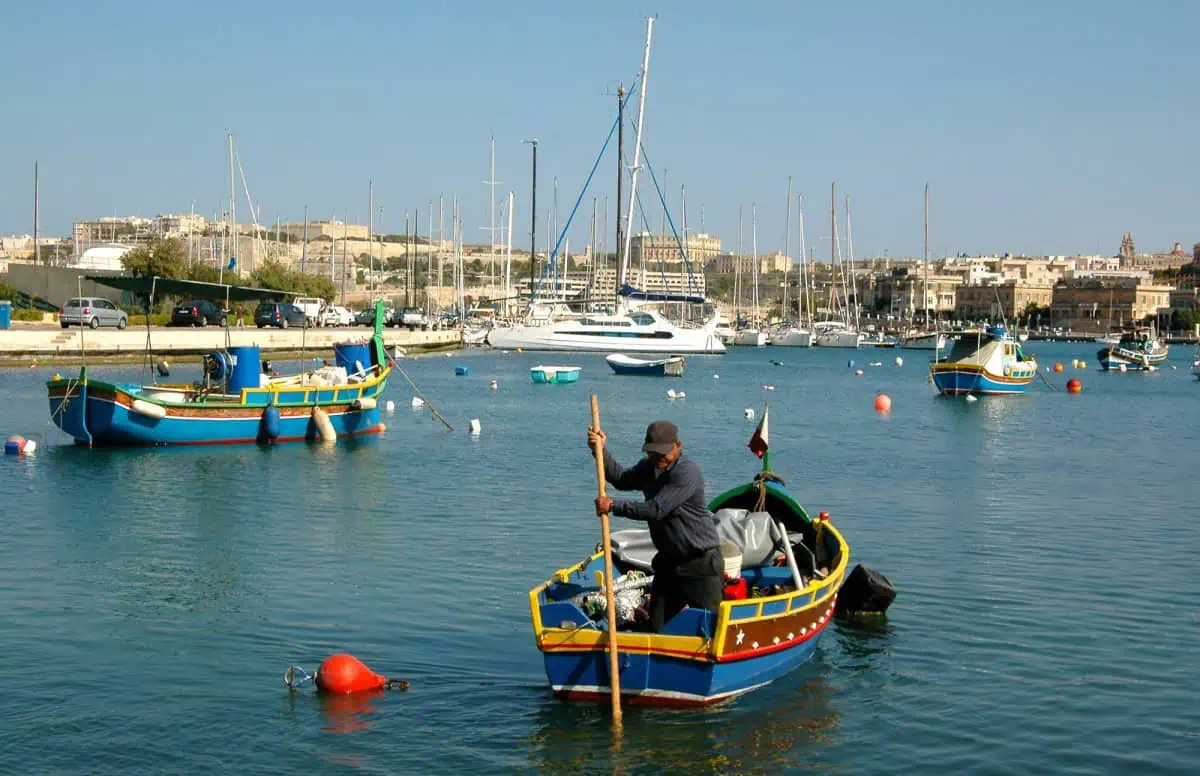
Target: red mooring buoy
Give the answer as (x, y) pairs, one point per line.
(343, 673)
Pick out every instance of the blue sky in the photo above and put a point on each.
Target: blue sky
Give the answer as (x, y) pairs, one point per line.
(1045, 127)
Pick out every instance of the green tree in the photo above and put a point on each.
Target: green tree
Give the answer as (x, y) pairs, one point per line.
(164, 258)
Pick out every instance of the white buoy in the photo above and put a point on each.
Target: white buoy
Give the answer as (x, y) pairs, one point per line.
(671, 393)
(29, 446)
(418, 402)
(324, 425)
(876, 363)
(899, 361)
(680, 395)
(858, 372)
(768, 387)
(971, 397)
(493, 385)
(716, 377)
(749, 414)
(475, 427)
(391, 406)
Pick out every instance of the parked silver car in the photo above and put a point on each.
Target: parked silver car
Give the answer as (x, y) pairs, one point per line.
(93, 312)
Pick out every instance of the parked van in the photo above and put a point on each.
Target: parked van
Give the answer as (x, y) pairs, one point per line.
(312, 307)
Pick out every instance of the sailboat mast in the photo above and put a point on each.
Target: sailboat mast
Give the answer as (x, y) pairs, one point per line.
(787, 234)
(508, 256)
(492, 215)
(371, 232)
(233, 235)
(925, 293)
(803, 257)
(37, 249)
(637, 148)
(304, 247)
(737, 267)
(833, 246)
(754, 243)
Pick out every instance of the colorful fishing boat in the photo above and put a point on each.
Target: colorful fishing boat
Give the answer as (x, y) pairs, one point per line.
(1138, 350)
(236, 402)
(555, 374)
(700, 657)
(659, 367)
(984, 362)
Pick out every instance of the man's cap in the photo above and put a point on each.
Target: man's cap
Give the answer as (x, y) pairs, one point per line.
(661, 436)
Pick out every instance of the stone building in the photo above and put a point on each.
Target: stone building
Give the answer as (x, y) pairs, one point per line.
(655, 248)
(1000, 301)
(1090, 304)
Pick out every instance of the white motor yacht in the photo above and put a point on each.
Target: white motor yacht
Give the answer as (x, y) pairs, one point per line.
(642, 331)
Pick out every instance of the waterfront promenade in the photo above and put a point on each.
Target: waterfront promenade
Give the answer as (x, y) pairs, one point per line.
(47, 341)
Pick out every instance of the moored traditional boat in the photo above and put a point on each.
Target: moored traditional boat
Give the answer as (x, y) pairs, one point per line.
(234, 403)
(555, 374)
(660, 367)
(984, 362)
(700, 657)
(1138, 350)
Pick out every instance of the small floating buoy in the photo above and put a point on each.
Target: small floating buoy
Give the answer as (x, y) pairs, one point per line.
(493, 385)
(749, 414)
(164, 369)
(776, 363)
(417, 402)
(971, 397)
(1074, 363)
(1074, 385)
(858, 372)
(343, 673)
(850, 364)
(390, 406)
(680, 395)
(883, 403)
(14, 445)
(462, 370)
(1083, 365)
(899, 361)
(716, 377)
(1058, 367)
(671, 393)
(475, 428)
(30, 446)
(876, 363)
(1174, 367)
(768, 387)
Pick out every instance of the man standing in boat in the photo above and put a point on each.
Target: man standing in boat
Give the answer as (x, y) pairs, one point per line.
(687, 565)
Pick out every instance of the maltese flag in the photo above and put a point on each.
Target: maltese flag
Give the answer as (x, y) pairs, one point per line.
(758, 442)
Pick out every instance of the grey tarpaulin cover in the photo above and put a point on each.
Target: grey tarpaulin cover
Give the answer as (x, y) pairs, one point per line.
(750, 531)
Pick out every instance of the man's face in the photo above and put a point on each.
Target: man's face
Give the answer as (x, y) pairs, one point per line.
(663, 461)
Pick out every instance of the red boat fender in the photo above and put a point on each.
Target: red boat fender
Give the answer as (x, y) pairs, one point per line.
(737, 590)
(344, 673)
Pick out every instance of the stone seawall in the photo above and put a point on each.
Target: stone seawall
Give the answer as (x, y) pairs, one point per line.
(66, 343)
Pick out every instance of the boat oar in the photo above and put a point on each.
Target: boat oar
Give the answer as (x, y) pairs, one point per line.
(614, 677)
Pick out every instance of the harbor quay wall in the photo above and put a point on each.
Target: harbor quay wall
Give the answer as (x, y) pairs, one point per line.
(66, 343)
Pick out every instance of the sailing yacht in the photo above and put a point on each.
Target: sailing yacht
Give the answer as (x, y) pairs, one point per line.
(792, 335)
(836, 334)
(929, 338)
(753, 336)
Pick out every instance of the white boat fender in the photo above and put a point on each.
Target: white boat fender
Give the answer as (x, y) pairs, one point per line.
(680, 395)
(390, 406)
(671, 394)
(475, 428)
(324, 425)
(143, 407)
(971, 397)
(364, 403)
(899, 361)
(716, 377)
(417, 402)
(749, 414)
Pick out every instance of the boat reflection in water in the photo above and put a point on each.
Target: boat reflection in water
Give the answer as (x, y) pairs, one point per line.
(787, 733)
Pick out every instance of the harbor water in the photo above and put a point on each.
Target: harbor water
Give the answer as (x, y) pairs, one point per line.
(1044, 547)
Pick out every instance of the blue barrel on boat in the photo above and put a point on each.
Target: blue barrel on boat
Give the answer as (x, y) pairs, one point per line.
(346, 353)
(246, 368)
(5, 315)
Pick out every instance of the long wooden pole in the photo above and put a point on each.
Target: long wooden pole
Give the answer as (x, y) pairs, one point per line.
(613, 663)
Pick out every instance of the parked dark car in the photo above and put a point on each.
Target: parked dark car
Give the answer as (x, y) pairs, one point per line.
(281, 314)
(198, 312)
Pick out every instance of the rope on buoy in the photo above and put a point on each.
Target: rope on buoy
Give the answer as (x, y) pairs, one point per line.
(417, 391)
(1052, 386)
(293, 681)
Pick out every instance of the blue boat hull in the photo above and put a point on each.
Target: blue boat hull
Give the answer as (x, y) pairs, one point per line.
(1112, 361)
(651, 370)
(652, 679)
(955, 382)
(95, 420)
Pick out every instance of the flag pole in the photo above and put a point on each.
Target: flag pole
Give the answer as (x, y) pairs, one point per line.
(614, 674)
